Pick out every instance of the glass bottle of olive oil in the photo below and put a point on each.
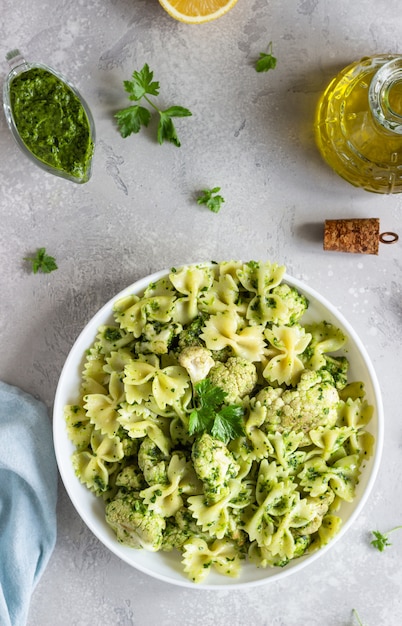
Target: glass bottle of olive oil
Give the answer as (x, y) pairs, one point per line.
(358, 124)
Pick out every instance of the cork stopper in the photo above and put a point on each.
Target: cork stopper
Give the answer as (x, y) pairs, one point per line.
(359, 236)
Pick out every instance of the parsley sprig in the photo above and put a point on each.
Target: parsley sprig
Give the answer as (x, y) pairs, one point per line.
(212, 199)
(42, 262)
(357, 616)
(267, 61)
(131, 119)
(381, 540)
(213, 416)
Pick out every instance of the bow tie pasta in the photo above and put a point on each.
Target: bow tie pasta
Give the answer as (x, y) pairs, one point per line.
(153, 432)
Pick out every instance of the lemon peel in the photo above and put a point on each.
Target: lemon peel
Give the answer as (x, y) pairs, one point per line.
(197, 11)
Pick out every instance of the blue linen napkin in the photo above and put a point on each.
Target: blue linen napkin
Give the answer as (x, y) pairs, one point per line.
(28, 495)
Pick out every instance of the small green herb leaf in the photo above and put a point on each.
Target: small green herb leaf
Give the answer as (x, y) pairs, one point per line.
(211, 199)
(176, 111)
(381, 540)
(142, 84)
(167, 130)
(131, 119)
(42, 262)
(266, 61)
(222, 421)
(228, 423)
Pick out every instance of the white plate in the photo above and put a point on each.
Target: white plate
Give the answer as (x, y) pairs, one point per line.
(166, 566)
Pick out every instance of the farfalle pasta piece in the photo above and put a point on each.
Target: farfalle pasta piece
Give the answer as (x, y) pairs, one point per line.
(282, 543)
(261, 527)
(330, 440)
(292, 536)
(190, 282)
(161, 287)
(169, 385)
(102, 409)
(230, 268)
(94, 371)
(224, 295)
(91, 471)
(325, 338)
(144, 378)
(117, 360)
(111, 338)
(330, 527)
(94, 466)
(135, 317)
(269, 309)
(258, 445)
(199, 557)
(140, 422)
(259, 278)
(138, 375)
(180, 407)
(264, 557)
(355, 413)
(214, 518)
(316, 477)
(79, 427)
(283, 446)
(166, 499)
(224, 329)
(287, 343)
(276, 494)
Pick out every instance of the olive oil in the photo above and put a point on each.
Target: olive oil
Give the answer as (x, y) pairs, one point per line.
(358, 124)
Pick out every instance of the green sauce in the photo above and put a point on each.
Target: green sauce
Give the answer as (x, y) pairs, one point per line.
(52, 122)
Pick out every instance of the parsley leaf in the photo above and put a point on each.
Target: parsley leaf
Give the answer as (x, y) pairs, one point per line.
(142, 84)
(267, 61)
(42, 262)
(166, 128)
(228, 423)
(222, 421)
(381, 540)
(131, 119)
(211, 199)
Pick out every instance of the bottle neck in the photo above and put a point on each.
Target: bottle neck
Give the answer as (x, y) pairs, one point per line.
(385, 96)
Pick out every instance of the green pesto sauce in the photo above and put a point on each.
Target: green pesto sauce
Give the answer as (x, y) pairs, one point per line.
(51, 121)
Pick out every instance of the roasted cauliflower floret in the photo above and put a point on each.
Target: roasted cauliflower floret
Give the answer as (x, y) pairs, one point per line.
(314, 402)
(157, 338)
(319, 506)
(197, 361)
(134, 524)
(214, 465)
(153, 463)
(130, 477)
(190, 335)
(338, 368)
(237, 377)
(180, 529)
(296, 304)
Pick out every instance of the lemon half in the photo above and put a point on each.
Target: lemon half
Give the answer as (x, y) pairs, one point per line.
(197, 11)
